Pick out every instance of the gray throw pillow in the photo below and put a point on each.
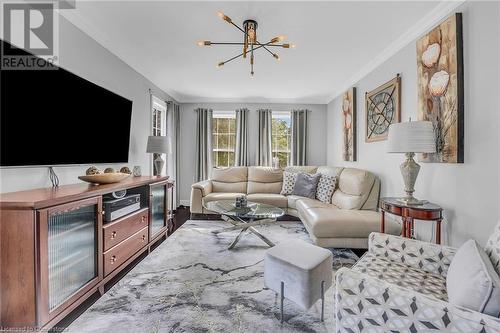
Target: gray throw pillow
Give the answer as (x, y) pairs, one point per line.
(472, 282)
(305, 185)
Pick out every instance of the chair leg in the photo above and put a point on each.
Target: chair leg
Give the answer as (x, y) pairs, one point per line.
(322, 301)
(281, 300)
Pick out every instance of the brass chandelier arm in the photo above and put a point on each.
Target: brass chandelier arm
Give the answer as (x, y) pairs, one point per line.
(240, 55)
(261, 45)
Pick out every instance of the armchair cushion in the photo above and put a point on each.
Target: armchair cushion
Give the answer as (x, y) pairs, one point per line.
(365, 303)
(428, 257)
(402, 275)
(472, 282)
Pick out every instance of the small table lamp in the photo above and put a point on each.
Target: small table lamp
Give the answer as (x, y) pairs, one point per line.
(410, 138)
(159, 145)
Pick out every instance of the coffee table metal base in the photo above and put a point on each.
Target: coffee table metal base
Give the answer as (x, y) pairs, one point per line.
(245, 226)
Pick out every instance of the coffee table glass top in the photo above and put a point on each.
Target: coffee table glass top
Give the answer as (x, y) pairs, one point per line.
(253, 210)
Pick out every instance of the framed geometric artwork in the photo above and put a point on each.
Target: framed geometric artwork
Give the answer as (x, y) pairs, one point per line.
(349, 125)
(382, 108)
(440, 84)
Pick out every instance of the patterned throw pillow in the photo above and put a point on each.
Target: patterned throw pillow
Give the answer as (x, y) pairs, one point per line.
(325, 189)
(289, 179)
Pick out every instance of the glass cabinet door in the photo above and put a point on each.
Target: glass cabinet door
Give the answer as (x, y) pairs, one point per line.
(158, 207)
(69, 250)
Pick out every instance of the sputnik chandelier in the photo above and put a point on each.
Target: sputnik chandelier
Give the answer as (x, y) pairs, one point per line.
(250, 42)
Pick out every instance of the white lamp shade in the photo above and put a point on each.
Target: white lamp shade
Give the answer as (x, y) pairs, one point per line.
(411, 137)
(159, 145)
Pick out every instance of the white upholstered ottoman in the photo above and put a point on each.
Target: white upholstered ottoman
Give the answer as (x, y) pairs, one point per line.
(299, 271)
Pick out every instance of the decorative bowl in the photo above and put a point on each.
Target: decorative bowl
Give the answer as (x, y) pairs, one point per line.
(105, 178)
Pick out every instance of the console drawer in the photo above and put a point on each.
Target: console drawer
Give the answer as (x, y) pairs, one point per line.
(121, 229)
(118, 254)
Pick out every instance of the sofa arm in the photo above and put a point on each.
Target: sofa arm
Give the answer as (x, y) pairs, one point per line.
(205, 186)
(198, 191)
(425, 256)
(367, 304)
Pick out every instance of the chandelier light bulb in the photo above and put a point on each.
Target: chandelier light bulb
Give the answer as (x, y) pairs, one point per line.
(281, 38)
(293, 46)
(224, 17)
(201, 43)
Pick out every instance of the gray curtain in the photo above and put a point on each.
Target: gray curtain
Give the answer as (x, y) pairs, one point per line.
(241, 155)
(299, 138)
(203, 143)
(173, 130)
(264, 152)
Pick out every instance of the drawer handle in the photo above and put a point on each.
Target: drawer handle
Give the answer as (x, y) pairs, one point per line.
(113, 235)
(143, 219)
(112, 259)
(143, 238)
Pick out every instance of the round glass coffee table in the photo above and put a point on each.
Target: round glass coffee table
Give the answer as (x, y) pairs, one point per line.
(244, 218)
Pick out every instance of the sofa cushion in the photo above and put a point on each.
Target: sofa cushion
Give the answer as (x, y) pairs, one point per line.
(289, 179)
(307, 203)
(332, 222)
(472, 281)
(325, 188)
(293, 200)
(233, 179)
(354, 187)
(306, 184)
(402, 275)
(221, 196)
(264, 180)
(273, 199)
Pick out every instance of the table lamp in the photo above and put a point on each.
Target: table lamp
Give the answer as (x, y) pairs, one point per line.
(159, 145)
(410, 138)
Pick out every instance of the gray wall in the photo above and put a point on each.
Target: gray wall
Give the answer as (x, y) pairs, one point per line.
(83, 56)
(468, 192)
(316, 135)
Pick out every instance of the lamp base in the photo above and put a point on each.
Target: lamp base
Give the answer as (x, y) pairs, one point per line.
(409, 171)
(158, 163)
(412, 201)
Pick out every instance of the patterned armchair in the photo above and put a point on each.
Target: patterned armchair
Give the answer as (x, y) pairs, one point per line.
(399, 285)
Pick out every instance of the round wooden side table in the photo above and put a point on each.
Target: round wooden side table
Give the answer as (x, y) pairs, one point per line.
(409, 213)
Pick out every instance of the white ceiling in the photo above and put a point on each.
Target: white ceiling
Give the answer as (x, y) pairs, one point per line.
(336, 43)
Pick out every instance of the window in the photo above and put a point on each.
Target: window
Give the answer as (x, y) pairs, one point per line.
(223, 138)
(281, 136)
(159, 123)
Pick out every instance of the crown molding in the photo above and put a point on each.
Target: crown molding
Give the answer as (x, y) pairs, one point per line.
(425, 24)
(102, 39)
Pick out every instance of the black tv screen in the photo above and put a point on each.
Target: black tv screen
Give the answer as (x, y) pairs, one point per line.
(53, 117)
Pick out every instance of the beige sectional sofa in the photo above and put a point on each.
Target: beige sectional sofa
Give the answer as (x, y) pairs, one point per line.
(345, 223)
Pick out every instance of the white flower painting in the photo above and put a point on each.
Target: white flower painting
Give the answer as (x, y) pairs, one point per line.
(440, 88)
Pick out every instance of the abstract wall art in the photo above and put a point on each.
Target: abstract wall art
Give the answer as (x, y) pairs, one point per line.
(349, 125)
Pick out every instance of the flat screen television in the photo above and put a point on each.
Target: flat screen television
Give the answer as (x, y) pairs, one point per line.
(54, 117)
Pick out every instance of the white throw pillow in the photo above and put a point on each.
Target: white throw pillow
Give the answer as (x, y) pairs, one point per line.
(326, 187)
(289, 179)
(472, 282)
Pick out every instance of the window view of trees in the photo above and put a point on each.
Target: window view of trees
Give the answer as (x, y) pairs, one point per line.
(223, 139)
(281, 137)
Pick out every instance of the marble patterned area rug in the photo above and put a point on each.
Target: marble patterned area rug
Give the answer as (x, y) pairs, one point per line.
(192, 283)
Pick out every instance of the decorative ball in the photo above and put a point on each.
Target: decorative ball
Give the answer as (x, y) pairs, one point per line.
(92, 171)
(126, 170)
(109, 170)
